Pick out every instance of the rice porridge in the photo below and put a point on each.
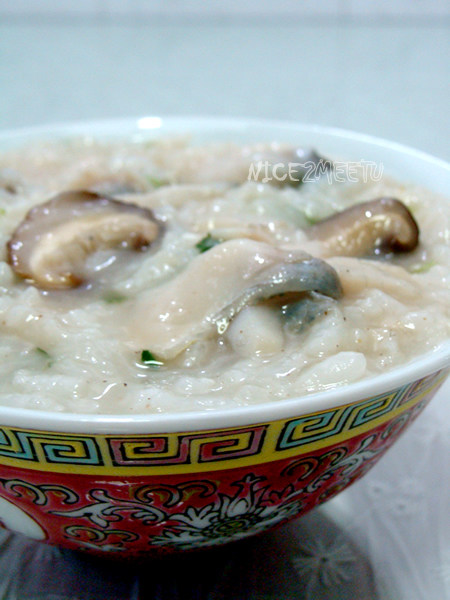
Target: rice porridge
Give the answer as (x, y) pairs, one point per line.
(154, 277)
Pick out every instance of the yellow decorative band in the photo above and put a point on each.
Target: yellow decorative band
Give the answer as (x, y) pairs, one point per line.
(189, 452)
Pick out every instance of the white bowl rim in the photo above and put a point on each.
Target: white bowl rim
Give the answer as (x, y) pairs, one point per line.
(197, 420)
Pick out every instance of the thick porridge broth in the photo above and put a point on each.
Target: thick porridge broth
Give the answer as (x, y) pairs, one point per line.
(190, 314)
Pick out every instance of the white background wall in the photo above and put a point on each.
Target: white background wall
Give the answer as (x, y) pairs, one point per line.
(366, 9)
(380, 67)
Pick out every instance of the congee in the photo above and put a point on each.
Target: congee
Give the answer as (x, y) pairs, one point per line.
(162, 276)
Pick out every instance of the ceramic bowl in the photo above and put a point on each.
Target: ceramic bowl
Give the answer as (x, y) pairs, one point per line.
(151, 484)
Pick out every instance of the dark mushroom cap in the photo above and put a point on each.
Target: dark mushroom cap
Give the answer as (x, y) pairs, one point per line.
(383, 224)
(50, 245)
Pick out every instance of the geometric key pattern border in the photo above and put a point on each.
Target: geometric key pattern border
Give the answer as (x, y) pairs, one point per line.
(210, 449)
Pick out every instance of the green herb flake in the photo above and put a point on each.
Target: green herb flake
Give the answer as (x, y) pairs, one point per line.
(207, 243)
(422, 267)
(2, 212)
(156, 182)
(311, 220)
(147, 358)
(45, 354)
(113, 297)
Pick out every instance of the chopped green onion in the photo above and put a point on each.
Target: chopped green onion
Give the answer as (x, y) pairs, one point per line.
(2, 212)
(43, 352)
(45, 355)
(207, 243)
(147, 358)
(311, 220)
(113, 297)
(422, 267)
(156, 182)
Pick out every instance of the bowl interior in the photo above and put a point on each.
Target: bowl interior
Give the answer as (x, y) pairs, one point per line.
(401, 162)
